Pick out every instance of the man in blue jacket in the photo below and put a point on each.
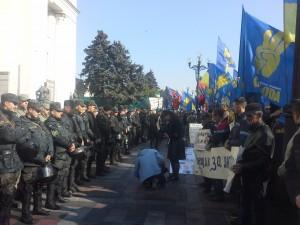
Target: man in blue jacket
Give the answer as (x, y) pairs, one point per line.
(149, 167)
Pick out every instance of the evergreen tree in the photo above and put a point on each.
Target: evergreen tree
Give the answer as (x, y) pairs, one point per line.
(80, 88)
(150, 84)
(111, 76)
(98, 69)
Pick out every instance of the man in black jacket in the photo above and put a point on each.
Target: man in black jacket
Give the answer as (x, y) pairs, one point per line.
(253, 167)
(11, 134)
(43, 142)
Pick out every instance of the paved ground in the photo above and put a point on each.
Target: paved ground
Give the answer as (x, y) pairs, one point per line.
(118, 199)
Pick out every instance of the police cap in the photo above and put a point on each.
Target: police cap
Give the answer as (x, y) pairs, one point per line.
(9, 97)
(34, 104)
(23, 97)
(56, 106)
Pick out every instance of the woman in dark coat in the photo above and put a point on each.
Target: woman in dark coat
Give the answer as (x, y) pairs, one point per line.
(176, 148)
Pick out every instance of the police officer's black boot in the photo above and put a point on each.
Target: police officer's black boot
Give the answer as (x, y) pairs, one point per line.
(89, 170)
(111, 158)
(37, 202)
(59, 190)
(83, 171)
(51, 200)
(26, 215)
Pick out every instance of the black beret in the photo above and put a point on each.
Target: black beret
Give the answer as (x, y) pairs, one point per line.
(241, 100)
(253, 108)
(79, 102)
(9, 97)
(56, 106)
(34, 104)
(68, 103)
(91, 103)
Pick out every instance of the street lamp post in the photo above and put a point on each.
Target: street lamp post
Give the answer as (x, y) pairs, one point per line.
(197, 68)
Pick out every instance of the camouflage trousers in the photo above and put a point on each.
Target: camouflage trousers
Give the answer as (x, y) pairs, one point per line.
(8, 182)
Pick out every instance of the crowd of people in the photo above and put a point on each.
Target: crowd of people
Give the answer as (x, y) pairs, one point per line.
(44, 146)
(38, 137)
(266, 187)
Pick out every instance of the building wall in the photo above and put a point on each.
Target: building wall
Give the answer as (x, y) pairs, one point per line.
(38, 43)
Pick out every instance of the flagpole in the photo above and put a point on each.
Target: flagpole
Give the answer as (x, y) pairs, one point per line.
(290, 126)
(296, 77)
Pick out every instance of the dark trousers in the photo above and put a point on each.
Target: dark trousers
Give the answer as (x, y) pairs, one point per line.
(29, 185)
(81, 170)
(252, 203)
(7, 190)
(55, 188)
(59, 184)
(160, 179)
(72, 173)
(175, 166)
(101, 156)
(90, 160)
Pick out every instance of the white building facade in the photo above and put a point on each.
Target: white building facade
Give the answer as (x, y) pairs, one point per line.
(38, 45)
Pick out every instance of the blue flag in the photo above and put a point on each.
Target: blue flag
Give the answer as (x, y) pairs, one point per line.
(224, 58)
(187, 102)
(217, 77)
(266, 61)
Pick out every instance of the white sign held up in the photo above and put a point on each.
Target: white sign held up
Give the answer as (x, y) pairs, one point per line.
(216, 163)
(202, 139)
(194, 129)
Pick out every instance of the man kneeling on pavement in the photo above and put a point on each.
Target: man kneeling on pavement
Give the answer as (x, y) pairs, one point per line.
(150, 168)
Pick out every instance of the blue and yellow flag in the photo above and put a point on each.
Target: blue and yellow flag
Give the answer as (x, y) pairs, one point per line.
(224, 57)
(187, 102)
(266, 61)
(217, 77)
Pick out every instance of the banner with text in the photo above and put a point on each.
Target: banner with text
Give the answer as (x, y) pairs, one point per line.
(216, 163)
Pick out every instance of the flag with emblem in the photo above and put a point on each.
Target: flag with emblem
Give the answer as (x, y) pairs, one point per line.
(265, 61)
(224, 57)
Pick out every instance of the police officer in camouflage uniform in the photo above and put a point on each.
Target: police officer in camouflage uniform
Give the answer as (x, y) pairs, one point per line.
(42, 140)
(103, 125)
(116, 136)
(126, 129)
(136, 123)
(11, 134)
(45, 111)
(70, 123)
(23, 103)
(95, 135)
(63, 144)
(80, 117)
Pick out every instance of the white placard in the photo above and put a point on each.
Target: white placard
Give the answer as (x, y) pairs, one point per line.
(194, 128)
(202, 139)
(156, 103)
(216, 163)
